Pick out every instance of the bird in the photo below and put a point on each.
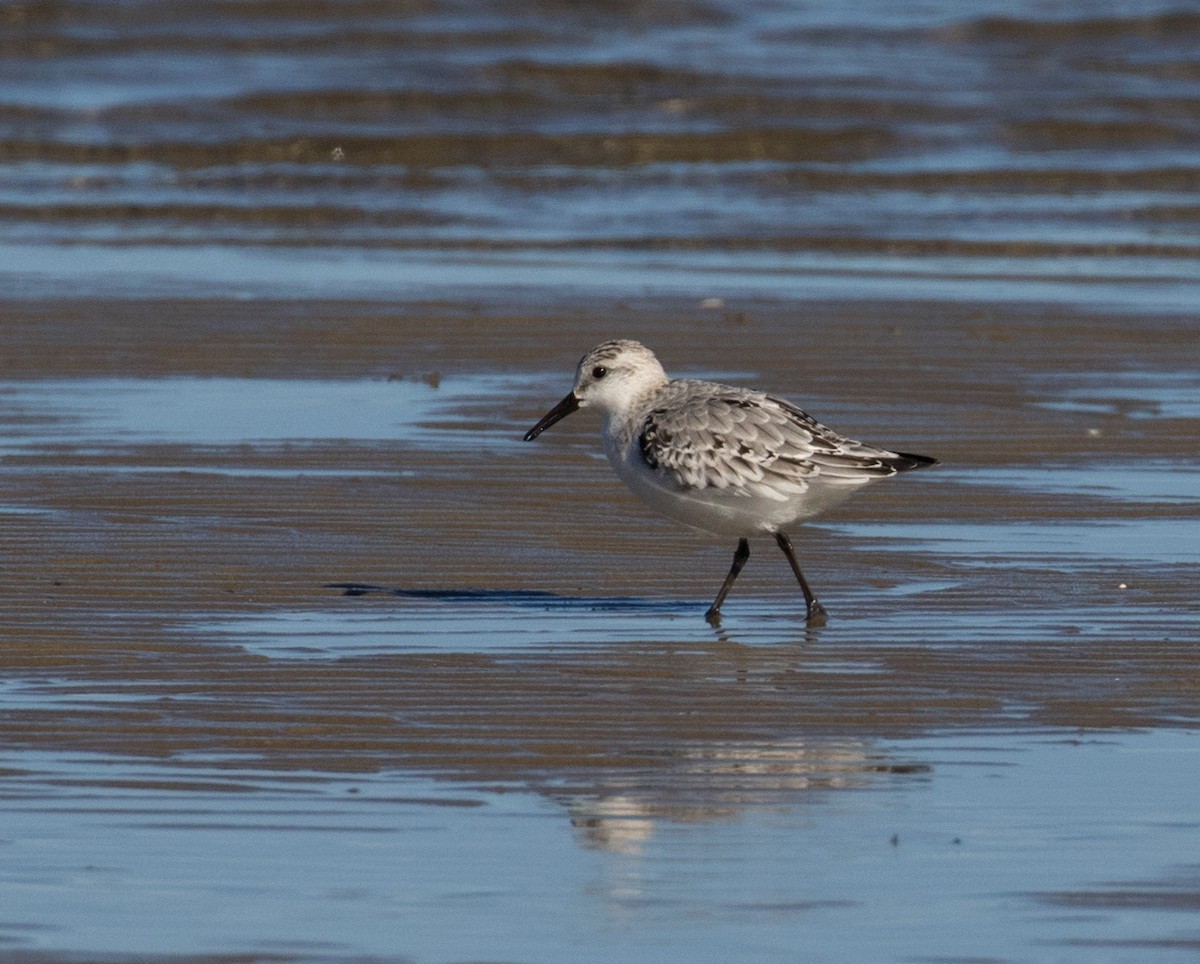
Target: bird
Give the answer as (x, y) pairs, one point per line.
(726, 460)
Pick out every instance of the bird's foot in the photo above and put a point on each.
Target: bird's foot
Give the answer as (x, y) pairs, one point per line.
(817, 616)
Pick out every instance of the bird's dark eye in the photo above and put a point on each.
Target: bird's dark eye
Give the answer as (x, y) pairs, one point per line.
(599, 371)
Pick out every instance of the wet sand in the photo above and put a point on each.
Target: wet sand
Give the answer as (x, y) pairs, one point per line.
(187, 680)
(306, 656)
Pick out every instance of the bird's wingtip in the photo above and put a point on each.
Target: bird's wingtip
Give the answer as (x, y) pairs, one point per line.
(905, 461)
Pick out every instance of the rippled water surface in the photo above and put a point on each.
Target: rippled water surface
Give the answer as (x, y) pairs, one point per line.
(305, 656)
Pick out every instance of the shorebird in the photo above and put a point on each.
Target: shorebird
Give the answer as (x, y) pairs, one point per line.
(726, 460)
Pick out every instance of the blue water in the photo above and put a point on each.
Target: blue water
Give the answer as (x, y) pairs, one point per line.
(947, 863)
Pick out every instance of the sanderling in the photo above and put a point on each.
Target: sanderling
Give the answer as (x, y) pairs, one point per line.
(727, 460)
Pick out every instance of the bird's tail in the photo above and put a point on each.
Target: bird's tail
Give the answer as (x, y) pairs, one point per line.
(904, 461)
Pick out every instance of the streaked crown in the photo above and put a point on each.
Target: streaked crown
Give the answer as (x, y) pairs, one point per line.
(616, 374)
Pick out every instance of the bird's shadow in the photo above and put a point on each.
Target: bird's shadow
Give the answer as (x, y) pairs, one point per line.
(530, 598)
(545, 601)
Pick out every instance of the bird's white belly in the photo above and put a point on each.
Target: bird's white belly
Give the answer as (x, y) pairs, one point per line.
(731, 511)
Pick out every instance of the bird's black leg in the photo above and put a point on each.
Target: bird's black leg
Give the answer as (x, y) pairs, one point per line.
(740, 555)
(816, 612)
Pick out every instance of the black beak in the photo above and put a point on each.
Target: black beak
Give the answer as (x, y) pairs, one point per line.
(557, 413)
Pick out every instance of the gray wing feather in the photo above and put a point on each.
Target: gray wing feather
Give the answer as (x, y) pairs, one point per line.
(704, 435)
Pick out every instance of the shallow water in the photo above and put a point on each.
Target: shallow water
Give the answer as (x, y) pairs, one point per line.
(305, 656)
(808, 851)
